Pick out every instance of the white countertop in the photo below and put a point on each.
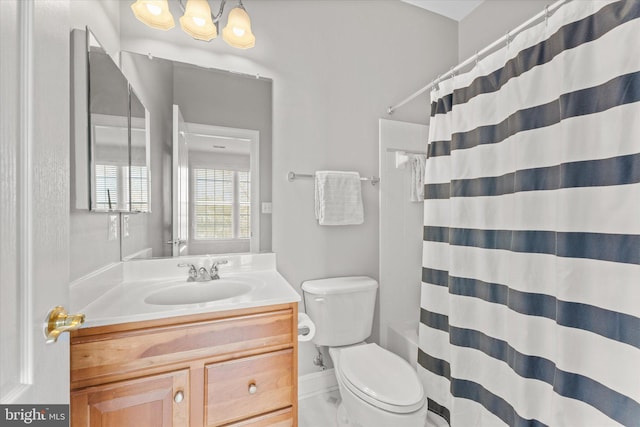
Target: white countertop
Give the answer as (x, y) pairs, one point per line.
(124, 302)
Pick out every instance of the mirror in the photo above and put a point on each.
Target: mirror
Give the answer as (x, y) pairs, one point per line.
(108, 129)
(118, 140)
(210, 159)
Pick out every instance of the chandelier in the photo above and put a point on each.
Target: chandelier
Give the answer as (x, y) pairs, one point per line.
(198, 21)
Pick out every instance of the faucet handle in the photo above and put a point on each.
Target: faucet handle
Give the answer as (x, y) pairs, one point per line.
(214, 268)
(220, 262)
(193, 272)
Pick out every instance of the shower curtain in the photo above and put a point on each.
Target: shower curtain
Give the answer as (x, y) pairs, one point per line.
(530, 303)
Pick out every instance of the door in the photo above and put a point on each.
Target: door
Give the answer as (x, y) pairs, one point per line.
(180, 185)
(34, 198)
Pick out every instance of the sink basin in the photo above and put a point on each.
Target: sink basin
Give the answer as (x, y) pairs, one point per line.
(199, 292)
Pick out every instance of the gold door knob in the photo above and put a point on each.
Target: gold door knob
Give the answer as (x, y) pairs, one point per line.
(58, 321)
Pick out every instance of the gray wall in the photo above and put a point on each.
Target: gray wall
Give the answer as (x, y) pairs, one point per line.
(337, 81)
(491, 20)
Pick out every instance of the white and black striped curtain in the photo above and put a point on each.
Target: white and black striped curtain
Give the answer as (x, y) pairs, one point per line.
(530, 307)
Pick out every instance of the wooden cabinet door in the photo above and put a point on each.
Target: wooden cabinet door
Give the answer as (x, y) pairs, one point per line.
(154, 401)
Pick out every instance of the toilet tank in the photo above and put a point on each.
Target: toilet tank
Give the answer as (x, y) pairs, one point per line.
(341, 308)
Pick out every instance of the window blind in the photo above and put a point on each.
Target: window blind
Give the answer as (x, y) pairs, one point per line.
(213, 203)
(139, 188)
(106, 186)
(221, 204)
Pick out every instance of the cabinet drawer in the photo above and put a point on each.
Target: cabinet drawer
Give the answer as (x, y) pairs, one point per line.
(282, 418)
(118, 355)
(143, 402)
(229, 395)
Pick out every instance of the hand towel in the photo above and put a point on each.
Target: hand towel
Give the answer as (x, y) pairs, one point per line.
(418, 162)
(338, 198)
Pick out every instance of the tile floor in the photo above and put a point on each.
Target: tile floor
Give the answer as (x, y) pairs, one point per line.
(321, 410)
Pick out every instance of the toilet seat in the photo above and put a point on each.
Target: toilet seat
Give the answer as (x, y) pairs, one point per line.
(381, 378)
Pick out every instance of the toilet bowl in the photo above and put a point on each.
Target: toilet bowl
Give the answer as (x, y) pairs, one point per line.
(378, 388)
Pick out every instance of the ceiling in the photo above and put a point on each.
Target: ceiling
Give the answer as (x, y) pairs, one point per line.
(453, 9)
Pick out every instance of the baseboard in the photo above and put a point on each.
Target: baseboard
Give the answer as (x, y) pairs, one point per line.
(316, 383)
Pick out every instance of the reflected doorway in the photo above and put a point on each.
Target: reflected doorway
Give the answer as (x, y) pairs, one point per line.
(216, 189)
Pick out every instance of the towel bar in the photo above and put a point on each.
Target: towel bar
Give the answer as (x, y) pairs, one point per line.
(291, 176)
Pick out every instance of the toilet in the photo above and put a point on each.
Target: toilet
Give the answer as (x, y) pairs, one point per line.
(377, 387)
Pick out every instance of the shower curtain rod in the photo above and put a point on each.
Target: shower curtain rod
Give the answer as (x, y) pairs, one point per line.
(548, 10)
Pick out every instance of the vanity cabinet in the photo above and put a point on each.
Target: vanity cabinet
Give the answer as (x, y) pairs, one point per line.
(232, 368)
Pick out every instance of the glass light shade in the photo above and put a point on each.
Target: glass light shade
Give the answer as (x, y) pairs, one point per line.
(197, 22)
(238, 33)
(154, 13)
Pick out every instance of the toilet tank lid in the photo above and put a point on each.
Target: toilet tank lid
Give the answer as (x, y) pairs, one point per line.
(339, 285)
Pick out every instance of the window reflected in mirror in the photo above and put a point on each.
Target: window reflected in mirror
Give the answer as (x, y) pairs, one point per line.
(223, 165)
(222, 204)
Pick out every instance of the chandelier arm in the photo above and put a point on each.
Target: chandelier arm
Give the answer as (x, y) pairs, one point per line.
(215, 18)
(219, 15)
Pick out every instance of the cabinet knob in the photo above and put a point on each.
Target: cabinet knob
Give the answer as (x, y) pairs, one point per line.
(178, 397)
(253, 388)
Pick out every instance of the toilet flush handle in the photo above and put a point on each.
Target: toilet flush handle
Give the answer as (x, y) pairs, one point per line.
(318, 299)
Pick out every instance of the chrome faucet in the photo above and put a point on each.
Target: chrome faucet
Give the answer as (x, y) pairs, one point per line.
(213, 273)
(201, 274)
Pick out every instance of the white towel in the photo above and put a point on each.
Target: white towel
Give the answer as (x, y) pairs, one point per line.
(418, 162)
(339, 198)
